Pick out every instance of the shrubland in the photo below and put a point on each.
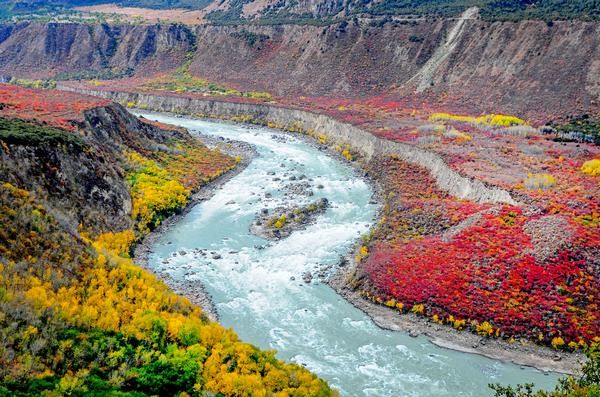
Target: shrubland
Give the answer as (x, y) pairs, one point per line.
(483, 267)
(181, 80)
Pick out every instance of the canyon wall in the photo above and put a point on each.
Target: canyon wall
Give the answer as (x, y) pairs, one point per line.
(37, 50)
(513, 67)
(365, 143)
(527, 68)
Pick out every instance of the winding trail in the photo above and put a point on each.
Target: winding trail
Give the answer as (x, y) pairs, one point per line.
(257, 285)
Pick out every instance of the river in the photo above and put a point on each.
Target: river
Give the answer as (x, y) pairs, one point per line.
(257, 285)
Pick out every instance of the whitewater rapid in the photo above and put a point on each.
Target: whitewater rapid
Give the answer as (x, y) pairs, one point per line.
(257, 285)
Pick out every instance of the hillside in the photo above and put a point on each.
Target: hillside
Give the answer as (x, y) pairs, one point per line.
(527, 68)
(81, 180)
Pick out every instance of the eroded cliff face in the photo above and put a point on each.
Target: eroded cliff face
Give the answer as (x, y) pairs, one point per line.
(526, 68)
(511, 67)
(45, 50)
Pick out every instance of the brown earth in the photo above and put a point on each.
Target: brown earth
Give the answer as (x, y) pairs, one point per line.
(513, 67)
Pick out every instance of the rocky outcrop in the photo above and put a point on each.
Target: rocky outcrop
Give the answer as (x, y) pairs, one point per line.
(38, 50)
(114, 126)
(367, 144)
(281, 222)
(78, 186)
(83, 184)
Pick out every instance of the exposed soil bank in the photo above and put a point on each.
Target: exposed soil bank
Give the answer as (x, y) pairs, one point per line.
(370, 146)
(339, 132)
(194, 290)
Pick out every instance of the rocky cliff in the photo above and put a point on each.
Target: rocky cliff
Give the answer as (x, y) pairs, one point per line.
(510, 66)
(41, 50)
(79, 174)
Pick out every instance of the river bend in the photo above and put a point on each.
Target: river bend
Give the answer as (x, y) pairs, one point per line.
(257, 285)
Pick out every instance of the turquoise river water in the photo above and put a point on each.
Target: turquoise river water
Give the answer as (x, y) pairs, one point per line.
(257, 285)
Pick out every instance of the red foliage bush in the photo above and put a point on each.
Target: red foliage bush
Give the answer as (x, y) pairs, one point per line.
(486, 270)
(56, 108)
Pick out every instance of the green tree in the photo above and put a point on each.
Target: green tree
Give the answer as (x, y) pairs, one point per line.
(585, 384)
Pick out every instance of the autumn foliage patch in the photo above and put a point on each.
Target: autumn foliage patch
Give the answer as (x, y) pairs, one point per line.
(92, 322)
(55, 108)
(483, 266)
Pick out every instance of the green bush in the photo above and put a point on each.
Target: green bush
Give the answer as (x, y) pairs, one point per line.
(169, 374)
(20, 132)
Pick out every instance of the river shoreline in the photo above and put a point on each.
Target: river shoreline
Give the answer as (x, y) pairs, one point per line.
(195, 290)
(525, 355)
(530, 355)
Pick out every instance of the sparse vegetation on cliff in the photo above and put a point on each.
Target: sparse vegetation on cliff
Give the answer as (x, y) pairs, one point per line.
(183, 81)
(249, 37)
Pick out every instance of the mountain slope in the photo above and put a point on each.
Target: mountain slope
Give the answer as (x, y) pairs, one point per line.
(525, 68)
(113, 50)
